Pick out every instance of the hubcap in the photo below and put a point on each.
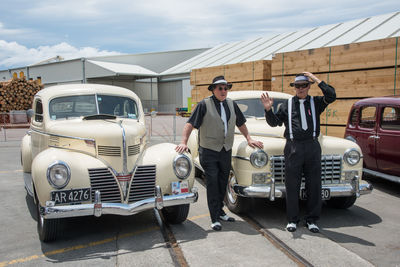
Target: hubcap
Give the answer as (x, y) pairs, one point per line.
(232, 196)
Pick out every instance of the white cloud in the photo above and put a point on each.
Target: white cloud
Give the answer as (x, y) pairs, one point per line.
(13, 54)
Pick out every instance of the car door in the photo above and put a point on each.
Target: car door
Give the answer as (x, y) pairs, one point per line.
(388, 141)
(367, 137)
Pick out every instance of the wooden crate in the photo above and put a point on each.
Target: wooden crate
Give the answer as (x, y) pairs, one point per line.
(364, 55)
(205, 75)
(337, 112)
(359, 84)
(337, 131)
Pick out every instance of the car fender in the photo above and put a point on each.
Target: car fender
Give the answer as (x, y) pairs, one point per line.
(163, 155)
(78, 163)
(26, 153)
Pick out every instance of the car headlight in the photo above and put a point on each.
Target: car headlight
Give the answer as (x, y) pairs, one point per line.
(182, 166)
(259, 158)
(352, 156)
(58, 174)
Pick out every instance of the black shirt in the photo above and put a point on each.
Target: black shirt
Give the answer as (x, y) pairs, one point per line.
(281, 116)
(196, 119)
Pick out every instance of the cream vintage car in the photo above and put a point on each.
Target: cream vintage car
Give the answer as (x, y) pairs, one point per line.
(261, 173)
(86, 154)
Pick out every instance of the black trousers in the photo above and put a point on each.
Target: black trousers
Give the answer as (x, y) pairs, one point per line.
(217, 166)
(303, 157)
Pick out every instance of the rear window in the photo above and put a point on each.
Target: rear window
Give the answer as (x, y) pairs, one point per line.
(367, 117)
(391, 118)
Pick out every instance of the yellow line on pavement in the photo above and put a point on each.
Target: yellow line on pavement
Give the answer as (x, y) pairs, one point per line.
(91, 244)
(77, 247)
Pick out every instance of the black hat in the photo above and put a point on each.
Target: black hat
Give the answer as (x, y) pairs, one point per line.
(219, 80)
(301, 78)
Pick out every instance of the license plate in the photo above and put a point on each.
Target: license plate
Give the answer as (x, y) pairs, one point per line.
(180, 187)
(71, 196)
(325, 193)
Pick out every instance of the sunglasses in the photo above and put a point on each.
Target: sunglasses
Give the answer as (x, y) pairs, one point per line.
(223, 88)
(302, 85)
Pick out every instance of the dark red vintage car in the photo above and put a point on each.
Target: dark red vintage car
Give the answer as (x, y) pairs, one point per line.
(374, 124)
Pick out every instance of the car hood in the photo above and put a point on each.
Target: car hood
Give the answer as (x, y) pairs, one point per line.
(259, 127)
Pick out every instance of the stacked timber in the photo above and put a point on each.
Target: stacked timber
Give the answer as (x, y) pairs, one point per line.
(255, 75)
(17, 94)
(356, 71)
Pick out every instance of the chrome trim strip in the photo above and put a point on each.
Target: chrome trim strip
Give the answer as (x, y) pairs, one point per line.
(262, 134)
(116, 208)
(64, 136)
(240, 157)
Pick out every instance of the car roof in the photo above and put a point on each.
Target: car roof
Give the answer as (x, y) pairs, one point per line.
(82, 89)
(234, 95)
(379, 100)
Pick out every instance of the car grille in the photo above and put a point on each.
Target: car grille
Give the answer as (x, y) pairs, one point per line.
(331, 168)
(111, 151)
(104, 181)
(133, 150)
(143, 184)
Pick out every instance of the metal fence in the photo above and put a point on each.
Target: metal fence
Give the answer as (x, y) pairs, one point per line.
(161, 128)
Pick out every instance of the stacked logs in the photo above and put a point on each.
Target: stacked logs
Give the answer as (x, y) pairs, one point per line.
(17, 94)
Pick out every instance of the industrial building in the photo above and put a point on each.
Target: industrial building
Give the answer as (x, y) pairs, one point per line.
(162, 80)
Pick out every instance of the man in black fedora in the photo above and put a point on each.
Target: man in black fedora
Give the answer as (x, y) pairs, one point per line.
(216, 117)
(302, 151)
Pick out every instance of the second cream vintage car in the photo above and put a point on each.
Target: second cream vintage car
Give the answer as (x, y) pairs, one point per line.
(86, 154)
(261, 173)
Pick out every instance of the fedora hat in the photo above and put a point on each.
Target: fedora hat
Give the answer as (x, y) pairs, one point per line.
(300, 79)
(219, 80)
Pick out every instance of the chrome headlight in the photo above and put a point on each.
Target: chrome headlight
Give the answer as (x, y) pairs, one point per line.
(58, 174)
(259, 158)
(182, 166)
(352, 156)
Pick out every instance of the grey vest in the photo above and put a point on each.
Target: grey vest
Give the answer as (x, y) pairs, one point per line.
(212, 131)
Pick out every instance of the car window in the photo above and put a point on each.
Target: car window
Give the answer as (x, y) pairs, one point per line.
(391, 118)
(85, 105)
(354, 117)
(367, 118)
(254, 108)
(39, 111)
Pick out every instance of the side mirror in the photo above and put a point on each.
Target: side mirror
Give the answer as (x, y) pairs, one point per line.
(30, 113)
(153, 114)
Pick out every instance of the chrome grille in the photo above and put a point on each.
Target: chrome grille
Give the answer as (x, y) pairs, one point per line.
(133, 150)
(331, 168)
(104, 181)
(111, 151)
(143, 183)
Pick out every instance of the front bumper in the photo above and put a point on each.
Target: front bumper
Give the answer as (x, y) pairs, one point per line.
(97, 208)
(273, 191)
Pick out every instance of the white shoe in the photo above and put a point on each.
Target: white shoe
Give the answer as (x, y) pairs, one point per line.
(216, 226)
(291, 227)
(226, 218)
(312, 227)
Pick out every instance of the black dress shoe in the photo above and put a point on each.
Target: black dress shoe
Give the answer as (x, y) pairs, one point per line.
(291, 226)
(216, 226)
(226, 218)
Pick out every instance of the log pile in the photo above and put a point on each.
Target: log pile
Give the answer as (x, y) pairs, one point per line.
(17, 94)
(356, 71)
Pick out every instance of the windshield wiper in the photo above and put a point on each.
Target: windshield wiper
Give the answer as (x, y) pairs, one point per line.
(99, 117)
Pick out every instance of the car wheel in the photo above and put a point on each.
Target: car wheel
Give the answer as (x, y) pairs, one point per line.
(235, 203)
(47, 228)
(341, 202)
(176, 214)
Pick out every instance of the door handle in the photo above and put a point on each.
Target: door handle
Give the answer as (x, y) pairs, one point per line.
(374, 137)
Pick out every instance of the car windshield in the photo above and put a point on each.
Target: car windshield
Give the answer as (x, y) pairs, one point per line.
(253, 107)
(85, 105)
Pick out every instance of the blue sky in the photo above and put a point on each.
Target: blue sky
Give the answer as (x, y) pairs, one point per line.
(32, 31)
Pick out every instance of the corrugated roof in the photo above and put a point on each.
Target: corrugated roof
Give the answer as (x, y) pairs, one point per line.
(124, 69)
(263, 48)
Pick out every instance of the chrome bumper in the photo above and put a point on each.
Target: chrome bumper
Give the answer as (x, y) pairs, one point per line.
(278, 191)
(97, 208)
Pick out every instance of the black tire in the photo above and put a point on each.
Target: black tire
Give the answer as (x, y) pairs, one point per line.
(47, 228)
(341, 202)
(176, 214)
(235, 203)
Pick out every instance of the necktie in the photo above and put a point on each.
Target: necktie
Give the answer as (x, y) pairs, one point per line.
(303, 115)
(223, 117)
